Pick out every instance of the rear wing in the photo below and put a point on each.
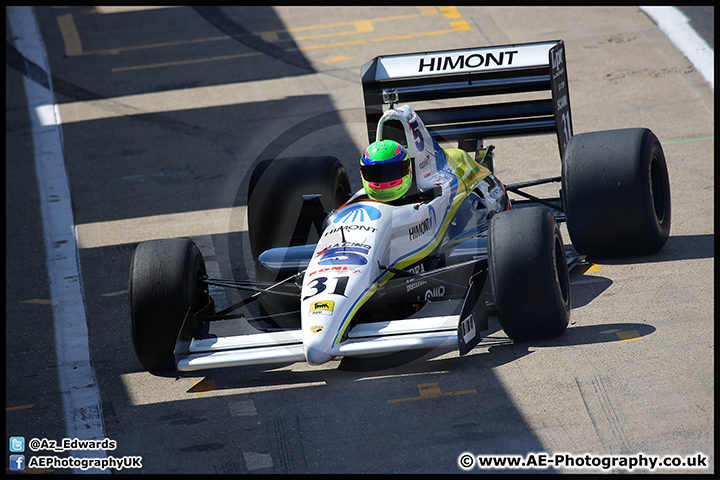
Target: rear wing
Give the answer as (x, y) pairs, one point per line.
(479, 75)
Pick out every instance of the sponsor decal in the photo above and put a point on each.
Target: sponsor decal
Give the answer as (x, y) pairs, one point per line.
(556, 59)
(465, 60)
(344, 254)
(324, 307)
(350, 228)
(424, 226)
(467, 329)
(461, 62)
(319, 284)
(316, 328)
(435, 292)
(335, 269)
(417, 135)
(419, 229)
(417, 269)
(415, 285)
(358, 213)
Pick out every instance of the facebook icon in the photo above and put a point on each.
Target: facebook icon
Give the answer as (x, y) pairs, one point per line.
(17, 462)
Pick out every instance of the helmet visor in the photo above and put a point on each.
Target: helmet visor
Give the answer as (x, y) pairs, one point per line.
(385, 172)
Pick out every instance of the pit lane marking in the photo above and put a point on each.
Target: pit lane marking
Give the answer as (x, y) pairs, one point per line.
(79, 390)
(38, 301)
(629, 335)
(430, 390)
(255, 461)
(336, 59)
(20, 407)
(243, 408)
(73, 42)
(203, 386)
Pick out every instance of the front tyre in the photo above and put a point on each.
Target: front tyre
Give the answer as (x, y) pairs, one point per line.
(528, 274)
(166, 284)
(616, 193)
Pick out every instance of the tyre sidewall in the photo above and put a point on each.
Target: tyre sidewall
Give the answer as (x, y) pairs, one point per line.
(164, 287)
(607, 186)
(529, 281)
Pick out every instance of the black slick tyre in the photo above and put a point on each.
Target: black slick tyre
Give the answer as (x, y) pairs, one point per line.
(166, 283)
(616, 193)
(528, 274)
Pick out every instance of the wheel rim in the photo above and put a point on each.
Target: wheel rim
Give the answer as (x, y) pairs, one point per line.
(656, 191)
(560, 269)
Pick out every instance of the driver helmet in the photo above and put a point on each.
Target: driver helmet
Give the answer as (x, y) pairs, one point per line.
(386, 170)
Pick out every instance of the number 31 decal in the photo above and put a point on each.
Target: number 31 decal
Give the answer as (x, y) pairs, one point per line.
(319, 285)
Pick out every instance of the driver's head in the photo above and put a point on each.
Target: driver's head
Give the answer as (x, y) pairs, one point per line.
(386, 170)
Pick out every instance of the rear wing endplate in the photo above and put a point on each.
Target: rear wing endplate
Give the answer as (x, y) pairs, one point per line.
(476, 74)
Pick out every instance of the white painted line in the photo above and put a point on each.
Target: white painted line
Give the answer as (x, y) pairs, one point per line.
(78, 385)
(242, 409)
(255, 461)
(673, 23)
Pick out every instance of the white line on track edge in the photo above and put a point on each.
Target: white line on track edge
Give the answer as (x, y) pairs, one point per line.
(76, 376)
(676, 26)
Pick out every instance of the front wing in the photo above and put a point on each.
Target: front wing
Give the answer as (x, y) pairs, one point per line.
(287, 346)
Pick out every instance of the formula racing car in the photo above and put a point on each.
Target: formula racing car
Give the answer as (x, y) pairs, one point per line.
(341, 275)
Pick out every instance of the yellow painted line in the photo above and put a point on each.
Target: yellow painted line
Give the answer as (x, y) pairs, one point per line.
(460, 26)
(203, 386)
(629, 335)
(430, 390)
(70, 35)
(361, 26)
(115, 51)
(331, 45)
(337, 59)
(450, 12)
(155, 227)
(186, 62)
(19, 407)
(589, 268)
(456, 27)
(38, 301)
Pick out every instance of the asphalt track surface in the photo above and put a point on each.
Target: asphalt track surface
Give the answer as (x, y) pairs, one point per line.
(165, 111)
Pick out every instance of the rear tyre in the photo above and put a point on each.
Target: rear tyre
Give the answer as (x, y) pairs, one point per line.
(276, 216)
(616, 193)
(528, 274)
(166, 283)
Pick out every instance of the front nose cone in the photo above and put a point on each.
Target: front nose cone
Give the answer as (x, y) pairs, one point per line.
(316, 356)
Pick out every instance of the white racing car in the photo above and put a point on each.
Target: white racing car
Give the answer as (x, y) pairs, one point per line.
(342, 275)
